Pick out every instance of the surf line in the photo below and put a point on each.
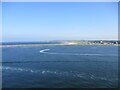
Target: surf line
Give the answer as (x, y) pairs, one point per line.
(45, 52)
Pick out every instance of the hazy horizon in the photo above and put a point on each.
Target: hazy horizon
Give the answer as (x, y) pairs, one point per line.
(24, 21)
(64, 40)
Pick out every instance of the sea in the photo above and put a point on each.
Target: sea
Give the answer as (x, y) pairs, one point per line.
(59, 67)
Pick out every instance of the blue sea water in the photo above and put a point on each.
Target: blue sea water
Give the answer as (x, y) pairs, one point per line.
(60, 66)
(17, 43)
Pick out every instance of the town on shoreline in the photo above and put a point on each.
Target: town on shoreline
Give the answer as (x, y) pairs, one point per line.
(65, 42)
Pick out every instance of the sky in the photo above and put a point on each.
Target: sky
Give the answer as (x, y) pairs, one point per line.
(0, 22)
(38, 21)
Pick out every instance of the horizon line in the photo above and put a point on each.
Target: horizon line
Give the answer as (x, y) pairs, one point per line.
(67, 40)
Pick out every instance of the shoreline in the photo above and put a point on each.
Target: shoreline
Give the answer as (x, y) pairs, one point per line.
(20, 45)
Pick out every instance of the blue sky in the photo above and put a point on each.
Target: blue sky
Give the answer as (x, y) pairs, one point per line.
(0, 21)
(59, 21)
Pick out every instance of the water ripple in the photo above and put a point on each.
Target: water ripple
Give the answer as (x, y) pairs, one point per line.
(59, 73)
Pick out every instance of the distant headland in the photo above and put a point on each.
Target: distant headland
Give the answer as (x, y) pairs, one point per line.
(63, 43)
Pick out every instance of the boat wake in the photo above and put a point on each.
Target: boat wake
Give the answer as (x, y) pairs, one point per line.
(45, 51)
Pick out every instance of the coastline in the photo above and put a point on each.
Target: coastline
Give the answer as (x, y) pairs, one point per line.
(20, 45)
(63, 43)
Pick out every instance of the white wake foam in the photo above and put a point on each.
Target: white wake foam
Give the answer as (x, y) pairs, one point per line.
(42, 51)
(45, 51)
